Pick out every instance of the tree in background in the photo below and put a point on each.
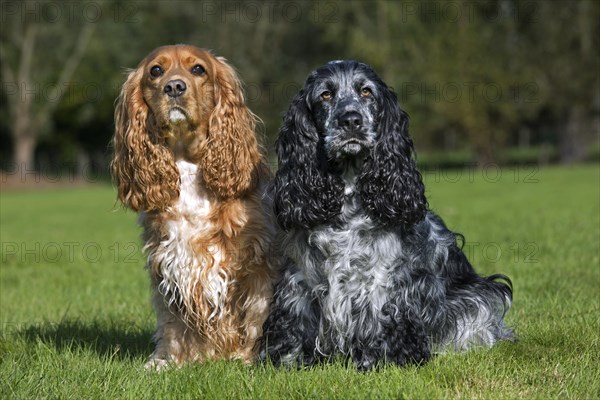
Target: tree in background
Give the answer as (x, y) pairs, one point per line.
(563, 45)
(478, 77)
(38, 59)
(481, 72)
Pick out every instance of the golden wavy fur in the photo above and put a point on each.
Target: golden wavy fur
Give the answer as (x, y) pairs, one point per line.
(187, 159)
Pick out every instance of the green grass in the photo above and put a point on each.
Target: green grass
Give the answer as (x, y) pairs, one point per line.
(75, 318)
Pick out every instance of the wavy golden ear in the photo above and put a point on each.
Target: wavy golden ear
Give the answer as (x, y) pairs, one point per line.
(230, 156)
(143, 168)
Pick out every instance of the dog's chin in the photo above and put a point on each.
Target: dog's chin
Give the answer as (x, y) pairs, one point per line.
(352, 148)
(178, 121)
(178, 116)
(177, 125)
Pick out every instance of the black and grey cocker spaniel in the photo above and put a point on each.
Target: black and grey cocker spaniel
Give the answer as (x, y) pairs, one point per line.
(370, 272)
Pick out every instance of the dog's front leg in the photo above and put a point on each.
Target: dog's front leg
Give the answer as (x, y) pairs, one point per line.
(291, 329)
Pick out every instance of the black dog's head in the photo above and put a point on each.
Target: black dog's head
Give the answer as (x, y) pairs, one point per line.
(343, 113)
(343, 99)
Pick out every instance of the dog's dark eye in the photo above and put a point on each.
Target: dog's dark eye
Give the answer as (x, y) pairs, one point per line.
(156, 71)
(327, 95)
(366, 92)
(198, 70)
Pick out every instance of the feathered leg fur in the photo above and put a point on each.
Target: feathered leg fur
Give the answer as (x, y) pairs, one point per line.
(430, 300)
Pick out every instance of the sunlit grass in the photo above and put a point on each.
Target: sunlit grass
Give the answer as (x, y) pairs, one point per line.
(76, 320)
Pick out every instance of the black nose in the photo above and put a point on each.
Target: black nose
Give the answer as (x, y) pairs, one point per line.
(350, 120)
(175, 88)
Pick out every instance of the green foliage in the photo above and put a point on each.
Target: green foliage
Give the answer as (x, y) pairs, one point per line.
(474, 76)
(76, 321)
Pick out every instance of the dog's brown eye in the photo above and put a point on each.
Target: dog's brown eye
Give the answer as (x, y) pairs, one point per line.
(198, 70)
(326, 95)
(365, 92)
(156, 71)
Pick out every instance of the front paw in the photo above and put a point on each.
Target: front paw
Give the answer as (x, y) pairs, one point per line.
(364, 361)
(406, 341)
(158, 364)
(292, 358)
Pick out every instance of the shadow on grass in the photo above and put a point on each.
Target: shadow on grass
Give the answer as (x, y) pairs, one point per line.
(107, 339)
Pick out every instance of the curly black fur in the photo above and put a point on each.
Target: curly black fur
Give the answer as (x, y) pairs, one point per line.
(390, 186)
(370, 273)
(305, 194)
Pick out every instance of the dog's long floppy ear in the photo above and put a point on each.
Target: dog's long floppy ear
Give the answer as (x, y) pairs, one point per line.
(390, 186)
(305, 195)
(143, 168)
(230, 156)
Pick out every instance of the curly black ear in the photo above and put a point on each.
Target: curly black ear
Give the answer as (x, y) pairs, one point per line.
(390, 186)
(305, 194)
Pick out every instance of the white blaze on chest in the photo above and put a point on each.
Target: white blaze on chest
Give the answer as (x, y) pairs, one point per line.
(353, 263)
(183, 268)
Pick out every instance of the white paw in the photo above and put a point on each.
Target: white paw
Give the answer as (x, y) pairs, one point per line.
(157, 364)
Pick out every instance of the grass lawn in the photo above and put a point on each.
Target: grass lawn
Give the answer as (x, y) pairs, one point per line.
(76, 321)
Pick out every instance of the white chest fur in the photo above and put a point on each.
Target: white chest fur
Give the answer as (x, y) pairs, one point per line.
(193, 200)
(187, 265)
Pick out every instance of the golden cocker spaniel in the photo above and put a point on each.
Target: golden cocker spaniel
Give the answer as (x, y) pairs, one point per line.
(186, 158)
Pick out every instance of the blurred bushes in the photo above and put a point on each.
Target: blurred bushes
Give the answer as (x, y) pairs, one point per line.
(490, 81)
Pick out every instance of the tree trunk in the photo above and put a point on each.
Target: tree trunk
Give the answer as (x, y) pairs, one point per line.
(27, 118)
(24, 148)
(572, 143)
(24, 138)
(485, 156)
